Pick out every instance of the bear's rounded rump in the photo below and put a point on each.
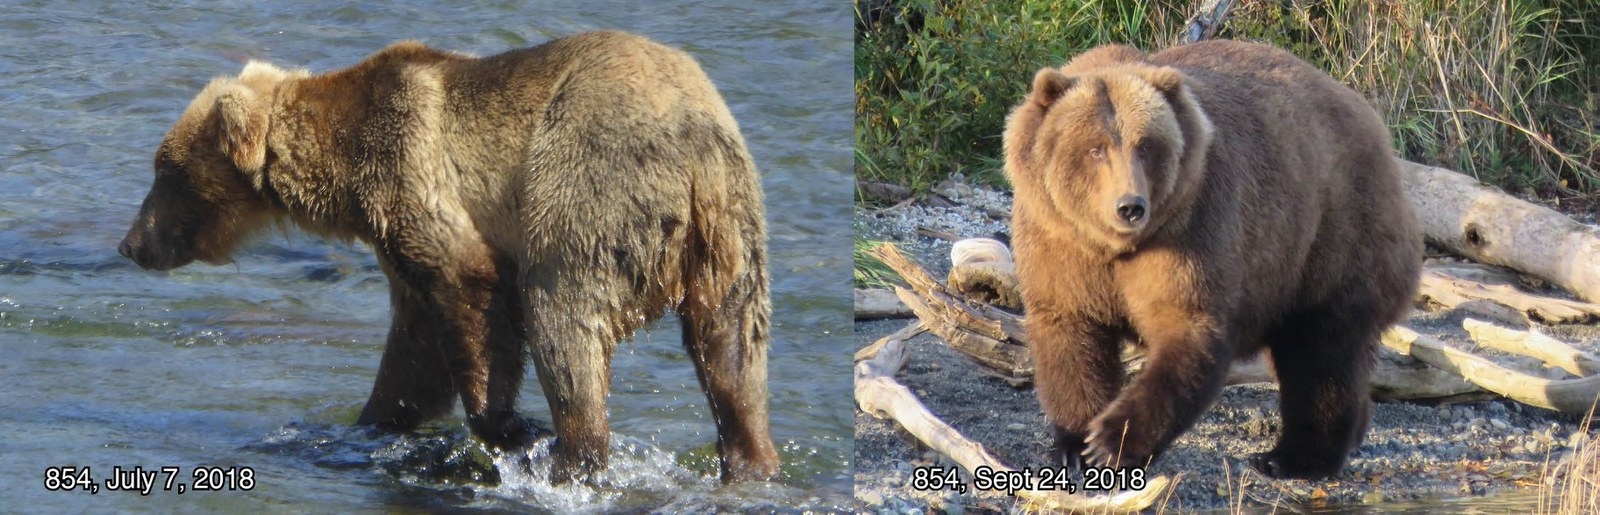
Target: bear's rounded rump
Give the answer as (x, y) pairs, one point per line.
(1207, 201)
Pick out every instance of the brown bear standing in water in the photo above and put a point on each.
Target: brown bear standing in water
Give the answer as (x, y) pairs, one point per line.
(1207, 201)
(554, 198)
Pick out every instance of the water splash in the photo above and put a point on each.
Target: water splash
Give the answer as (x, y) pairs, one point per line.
(455, 465)
(638, 475)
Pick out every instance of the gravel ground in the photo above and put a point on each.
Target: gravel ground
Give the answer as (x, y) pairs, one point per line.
(1499, 449)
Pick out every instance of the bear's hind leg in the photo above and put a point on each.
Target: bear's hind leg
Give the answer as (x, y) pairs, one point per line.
(572, 335)
(1323, 361)
(728, 343)
(413, 384)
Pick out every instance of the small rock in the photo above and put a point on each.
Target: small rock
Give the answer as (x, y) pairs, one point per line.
(1017, 426)
(956, 191)
(870, 497)
(1499, 423)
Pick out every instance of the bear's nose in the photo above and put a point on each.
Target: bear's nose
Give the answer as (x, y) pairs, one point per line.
(125, 249)
(1131, 208)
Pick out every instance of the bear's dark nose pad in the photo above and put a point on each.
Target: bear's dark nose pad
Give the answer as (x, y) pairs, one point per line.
(1131, 208)
(125, 249)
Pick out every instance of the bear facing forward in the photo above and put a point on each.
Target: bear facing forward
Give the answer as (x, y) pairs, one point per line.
(1207, 201)
(554, 198)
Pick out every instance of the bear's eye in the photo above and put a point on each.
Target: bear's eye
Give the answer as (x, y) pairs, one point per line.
(1097, 153)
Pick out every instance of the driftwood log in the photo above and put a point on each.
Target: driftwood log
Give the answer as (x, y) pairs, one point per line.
(876, 303)
(1477, 221)
(988, 335)
(994, 339)
(1440, 287)
(1549, 350)
(1476, 289)
(1576, 396)
(878, 394)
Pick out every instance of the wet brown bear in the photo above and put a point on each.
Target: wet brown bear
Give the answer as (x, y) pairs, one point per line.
(1207, 201)
(556, 198)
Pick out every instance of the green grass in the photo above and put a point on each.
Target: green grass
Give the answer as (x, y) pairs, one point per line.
(1504, 90)
(870, 272)
(935, 78)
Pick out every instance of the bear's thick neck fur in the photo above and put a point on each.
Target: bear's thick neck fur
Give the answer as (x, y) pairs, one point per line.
(384, 98)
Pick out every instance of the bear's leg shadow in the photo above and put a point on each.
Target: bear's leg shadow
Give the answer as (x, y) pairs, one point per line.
(1185, 367)
(413, 383)
(1323, 359)
(728, 343)
(1079, 372)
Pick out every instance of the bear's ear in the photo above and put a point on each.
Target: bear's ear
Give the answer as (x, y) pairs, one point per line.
(1048, 86)
(1166, 79)
(242, 119)
(263, 70)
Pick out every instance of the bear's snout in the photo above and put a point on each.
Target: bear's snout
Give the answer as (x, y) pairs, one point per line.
(132, 247)
(137, 247)
(1131, 210)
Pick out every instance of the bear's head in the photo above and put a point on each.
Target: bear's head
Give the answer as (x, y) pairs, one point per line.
(210, 170)
(1109, 150)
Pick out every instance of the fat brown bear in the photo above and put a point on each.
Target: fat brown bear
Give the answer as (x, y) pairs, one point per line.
(554, 198)
(1207, 202)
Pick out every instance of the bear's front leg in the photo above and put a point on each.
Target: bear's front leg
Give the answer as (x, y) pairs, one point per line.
(470, 291)
(414, 383)
(1079, 371)
(1186, 364)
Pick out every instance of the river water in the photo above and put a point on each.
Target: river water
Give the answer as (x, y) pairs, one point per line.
(266, 363)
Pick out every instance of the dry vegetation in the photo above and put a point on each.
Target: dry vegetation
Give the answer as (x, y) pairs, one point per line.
(1573, 485)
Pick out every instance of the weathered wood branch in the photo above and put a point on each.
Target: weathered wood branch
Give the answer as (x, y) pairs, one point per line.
(1565, 395)
(906, 333)
(878, 394)
(987, 335)
(982, 269)
(1207, 20)
(993, 339)
(990, 283)
(1479, 222)
(1450, 292)
(1001, 358)
(1549, 350)
(881, 192)
(876, 303)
